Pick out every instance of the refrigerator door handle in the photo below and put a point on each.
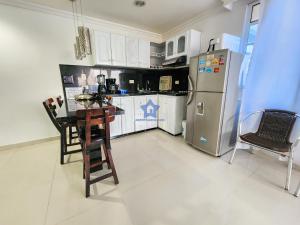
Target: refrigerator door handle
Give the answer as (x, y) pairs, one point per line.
(190, 97)
(191, 93)
(200, 109)
(190, 83)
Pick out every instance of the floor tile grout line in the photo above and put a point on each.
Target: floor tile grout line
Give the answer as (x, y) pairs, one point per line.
(78, 214)
(50, 191)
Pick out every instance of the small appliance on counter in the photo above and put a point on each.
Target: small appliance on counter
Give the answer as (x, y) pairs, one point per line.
(165, 83)
(101, 87)
(101, 84)
(111, 86)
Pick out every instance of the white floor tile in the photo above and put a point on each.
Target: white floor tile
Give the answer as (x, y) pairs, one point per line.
(163, 181)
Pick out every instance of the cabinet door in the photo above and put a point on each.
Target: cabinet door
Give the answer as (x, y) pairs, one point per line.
(162, 112)
(152, 121)
(140, 121)
(116, 125)
(132, 51)
(144, 53)
(102, 48)
(170, 104)
(171, 48)
(181, 44)
(118, 56)
(127, 104)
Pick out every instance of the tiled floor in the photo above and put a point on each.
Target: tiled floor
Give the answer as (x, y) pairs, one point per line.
(162, 181)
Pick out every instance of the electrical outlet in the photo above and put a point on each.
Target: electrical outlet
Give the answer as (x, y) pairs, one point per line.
(176, 81)
(131, 81)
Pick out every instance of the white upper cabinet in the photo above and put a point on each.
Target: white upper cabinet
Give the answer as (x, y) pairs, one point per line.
(187, 43)
(118, 55)
(144, 53)
(132, 51)
(118, 50)
(102, 48)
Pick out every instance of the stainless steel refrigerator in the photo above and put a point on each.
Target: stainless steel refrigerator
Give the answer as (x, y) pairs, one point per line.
(212, 105)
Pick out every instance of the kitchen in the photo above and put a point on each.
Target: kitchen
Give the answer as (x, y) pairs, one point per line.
(143, 59)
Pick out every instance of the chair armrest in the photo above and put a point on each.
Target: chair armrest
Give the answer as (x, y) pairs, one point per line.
(244, 119)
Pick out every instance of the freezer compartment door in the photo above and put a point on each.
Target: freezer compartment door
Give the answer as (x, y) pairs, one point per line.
(207, 122)
(190, 116)
(213, 71)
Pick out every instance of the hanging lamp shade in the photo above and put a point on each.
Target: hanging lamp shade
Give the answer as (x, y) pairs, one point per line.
(81, 41)
(88, 49)
(84, 40)
(80, 53)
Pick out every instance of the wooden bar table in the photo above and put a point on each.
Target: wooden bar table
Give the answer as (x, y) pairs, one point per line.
(67, 114)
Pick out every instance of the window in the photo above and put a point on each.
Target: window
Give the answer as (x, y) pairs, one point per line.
(252, 26)
(250, 32)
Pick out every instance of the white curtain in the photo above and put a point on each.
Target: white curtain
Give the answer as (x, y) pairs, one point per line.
(273, 79)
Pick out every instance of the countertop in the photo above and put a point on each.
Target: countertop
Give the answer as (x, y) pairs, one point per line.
(171, 93)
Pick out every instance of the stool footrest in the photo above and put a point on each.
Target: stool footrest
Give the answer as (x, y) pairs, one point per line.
(101, 178)
(73, 151)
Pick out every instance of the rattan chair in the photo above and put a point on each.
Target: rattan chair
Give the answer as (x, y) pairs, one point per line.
(273, 135)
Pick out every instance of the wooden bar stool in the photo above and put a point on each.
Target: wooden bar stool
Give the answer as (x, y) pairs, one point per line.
(51, 108)
(94, 133)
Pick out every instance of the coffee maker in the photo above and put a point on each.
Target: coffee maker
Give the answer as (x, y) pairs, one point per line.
(101, 84)
(111, 85)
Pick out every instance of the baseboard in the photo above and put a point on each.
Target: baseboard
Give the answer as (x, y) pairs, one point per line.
(28, 143)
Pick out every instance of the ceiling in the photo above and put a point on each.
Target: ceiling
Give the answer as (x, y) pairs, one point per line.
(157, 15)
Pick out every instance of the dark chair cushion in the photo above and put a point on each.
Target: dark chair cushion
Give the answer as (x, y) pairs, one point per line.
(253, 138)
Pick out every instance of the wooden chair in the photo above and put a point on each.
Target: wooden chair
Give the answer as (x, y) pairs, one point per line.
(272, 135)
(72, 124)
(94, 133)
(51, 110)
(59, 101)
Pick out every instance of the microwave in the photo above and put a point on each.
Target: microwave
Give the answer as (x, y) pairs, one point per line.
(165, 83)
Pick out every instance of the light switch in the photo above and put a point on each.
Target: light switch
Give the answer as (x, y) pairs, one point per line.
(176, 81)
(131, 81)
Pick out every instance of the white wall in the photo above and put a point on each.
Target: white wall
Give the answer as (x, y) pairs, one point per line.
(215, 22)
(32, 45)
(34, 40)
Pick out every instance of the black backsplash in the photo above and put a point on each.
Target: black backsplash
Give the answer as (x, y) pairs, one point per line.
(71, 76)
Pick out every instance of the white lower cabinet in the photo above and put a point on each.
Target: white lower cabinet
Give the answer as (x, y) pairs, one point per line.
(127, 104)
(116, 125)
(171, 113)
(140, 121)
(152, 120)
(163, 111)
